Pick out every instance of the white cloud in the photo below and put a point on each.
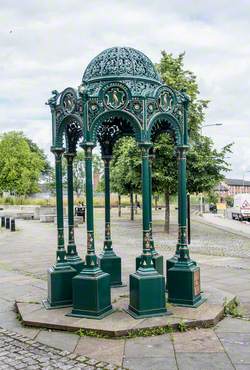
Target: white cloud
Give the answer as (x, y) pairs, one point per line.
(47, 45)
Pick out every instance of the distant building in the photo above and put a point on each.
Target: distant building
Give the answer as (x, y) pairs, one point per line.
(230, 187)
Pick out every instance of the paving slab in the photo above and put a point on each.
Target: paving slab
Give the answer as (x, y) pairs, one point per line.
(109, 350)
(245, 309)
(147, 363)
(200, 340)
(237, 345)
(159, 346)
(244, 296)
(233, 325)
(62, 340)
(9, 321)
(242, 367)
(203, 361)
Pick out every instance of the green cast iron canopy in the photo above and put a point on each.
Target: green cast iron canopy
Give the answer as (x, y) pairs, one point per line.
(121, 63)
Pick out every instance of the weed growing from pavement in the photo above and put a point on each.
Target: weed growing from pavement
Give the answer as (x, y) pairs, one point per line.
(148, 332)
(231, 308)
(182, 326)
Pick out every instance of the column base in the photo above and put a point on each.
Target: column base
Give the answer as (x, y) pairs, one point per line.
(169, 264)
(73, 258)
(76, 262)
(184, 284)
(157, 261)
(147, 294)
(60, 285)
(110, 263)
(91, 294)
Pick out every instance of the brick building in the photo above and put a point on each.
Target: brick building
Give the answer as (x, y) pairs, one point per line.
(230, 187)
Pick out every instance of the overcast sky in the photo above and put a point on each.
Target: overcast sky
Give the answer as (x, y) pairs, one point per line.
(46, 45)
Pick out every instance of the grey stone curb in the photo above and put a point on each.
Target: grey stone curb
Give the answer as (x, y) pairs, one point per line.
(135, 331)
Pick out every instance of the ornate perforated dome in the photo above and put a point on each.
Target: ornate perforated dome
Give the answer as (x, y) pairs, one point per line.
(121, 62)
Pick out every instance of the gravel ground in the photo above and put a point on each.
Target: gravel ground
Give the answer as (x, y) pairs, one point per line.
(205, 239)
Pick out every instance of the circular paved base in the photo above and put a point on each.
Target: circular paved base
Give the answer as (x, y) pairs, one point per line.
(120, 323)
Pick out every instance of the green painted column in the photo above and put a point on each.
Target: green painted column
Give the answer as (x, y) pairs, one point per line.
(91, 288)
(182, 191)
(184, 277)
(61, 274)
(91, 259)
(108, 260)
(146, 256)
(156, 257)
(147, 290)
(108, 241)
(72, 256)
(150, 201)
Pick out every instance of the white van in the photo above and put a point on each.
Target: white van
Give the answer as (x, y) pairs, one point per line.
(241, 208)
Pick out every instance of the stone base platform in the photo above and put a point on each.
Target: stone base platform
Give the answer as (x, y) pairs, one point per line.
(120, 323)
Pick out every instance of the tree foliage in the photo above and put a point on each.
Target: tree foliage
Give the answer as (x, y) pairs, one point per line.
(35, 148)
(20, 166)
(205, 165)
(174, 74)
(125, 167)
(78, 172)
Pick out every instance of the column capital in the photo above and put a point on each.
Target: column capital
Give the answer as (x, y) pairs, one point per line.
(145, 145)
(69, 156)
(87, 145)
(106, 158)
(57, 151)
(182, 147)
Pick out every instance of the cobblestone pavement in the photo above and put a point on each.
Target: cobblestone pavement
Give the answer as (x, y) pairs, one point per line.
(26, 255)
(20, 352)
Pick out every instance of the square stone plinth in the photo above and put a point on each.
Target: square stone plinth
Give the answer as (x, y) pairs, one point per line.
(120, 323)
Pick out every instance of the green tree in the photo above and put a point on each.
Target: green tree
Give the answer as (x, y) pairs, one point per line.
(125, 170)
(20, 167)
(205, 168)
(164, 172)
(205, 165)
(78, 172)
(35, 148)
(174, 74)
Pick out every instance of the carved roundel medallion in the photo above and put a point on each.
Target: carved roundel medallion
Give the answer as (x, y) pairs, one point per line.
(166, 101)
(68, 101)
(115, 97)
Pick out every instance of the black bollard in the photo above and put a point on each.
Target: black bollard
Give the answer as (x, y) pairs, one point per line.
(13, 225)
(2, 221)
(7, 222)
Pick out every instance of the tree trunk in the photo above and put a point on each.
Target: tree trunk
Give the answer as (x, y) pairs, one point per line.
(131, 206)
(167, 212)
(156, 202)
(136, 202)
(119, 206)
